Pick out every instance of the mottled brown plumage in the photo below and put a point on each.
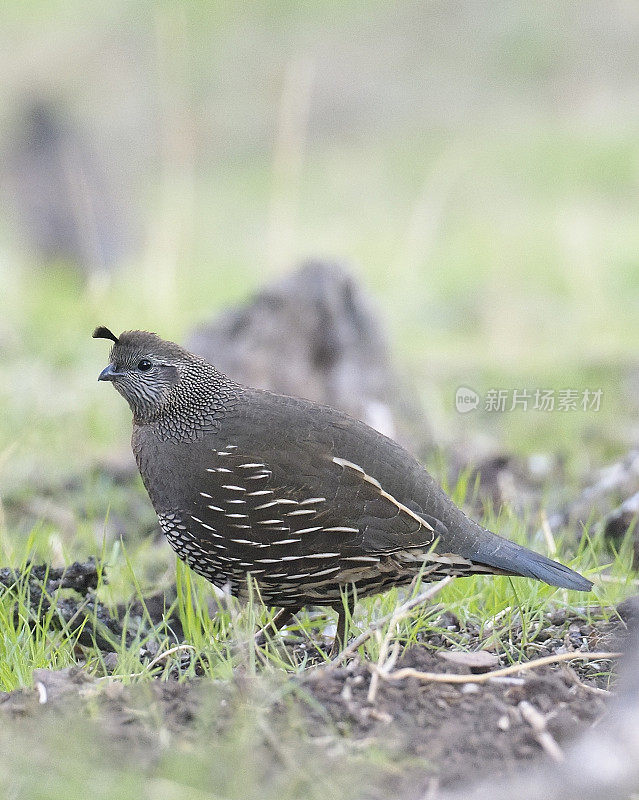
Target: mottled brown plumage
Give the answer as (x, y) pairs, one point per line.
(307, 500)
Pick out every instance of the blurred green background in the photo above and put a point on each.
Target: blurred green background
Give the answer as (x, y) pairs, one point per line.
(476, 164)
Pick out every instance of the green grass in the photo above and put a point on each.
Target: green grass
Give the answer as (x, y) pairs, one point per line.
(218, 633)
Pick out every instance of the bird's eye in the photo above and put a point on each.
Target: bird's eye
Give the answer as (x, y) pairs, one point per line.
(144, 365)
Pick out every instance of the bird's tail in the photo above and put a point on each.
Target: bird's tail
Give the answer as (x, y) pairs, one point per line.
(513, 559)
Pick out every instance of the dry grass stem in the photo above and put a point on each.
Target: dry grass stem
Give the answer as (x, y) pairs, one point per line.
(537, 722)
(445, 677)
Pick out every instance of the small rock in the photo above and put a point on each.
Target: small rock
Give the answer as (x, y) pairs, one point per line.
(541, 465)
(503, 723)
(558, 616)
(448, 621)
(111, 661)
(477, 661)
(346, 694)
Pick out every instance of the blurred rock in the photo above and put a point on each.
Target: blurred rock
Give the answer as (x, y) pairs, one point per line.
(316, 334)
(623, 519)
(602, 497)
(503, 479)
(628, 610)
(58, 192)
(120, 466)
(54, 684)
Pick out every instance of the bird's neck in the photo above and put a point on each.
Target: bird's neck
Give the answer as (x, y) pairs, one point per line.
(195, 406)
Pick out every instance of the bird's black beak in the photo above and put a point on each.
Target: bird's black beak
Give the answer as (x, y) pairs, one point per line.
(109, 374)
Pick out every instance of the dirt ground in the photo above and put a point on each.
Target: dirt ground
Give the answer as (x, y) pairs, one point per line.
(454, 733)
(425, 735)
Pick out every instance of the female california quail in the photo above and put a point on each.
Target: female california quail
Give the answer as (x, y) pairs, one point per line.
(305, 499)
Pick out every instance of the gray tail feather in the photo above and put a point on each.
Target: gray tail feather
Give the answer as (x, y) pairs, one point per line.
(517, 560)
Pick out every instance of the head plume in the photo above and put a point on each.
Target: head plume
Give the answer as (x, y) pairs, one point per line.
(104, 333)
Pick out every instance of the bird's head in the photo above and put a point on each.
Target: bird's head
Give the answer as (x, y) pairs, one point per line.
(148, 371)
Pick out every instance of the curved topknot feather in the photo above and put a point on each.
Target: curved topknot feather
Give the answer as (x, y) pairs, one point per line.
(104, 333)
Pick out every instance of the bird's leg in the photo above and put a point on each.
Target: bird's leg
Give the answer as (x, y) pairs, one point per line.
(340, 634)
(282, 618)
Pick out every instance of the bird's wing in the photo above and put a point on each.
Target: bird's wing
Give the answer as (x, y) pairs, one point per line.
(267, 511)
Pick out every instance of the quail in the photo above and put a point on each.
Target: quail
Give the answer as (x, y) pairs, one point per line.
(314, 505)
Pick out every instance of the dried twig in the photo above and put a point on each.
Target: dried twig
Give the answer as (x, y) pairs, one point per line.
(385, 663)
(162, 656)
(398, 614)
(537, 722)
(445, 677)
(551, 544)
(154, 662)
(572, 676)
